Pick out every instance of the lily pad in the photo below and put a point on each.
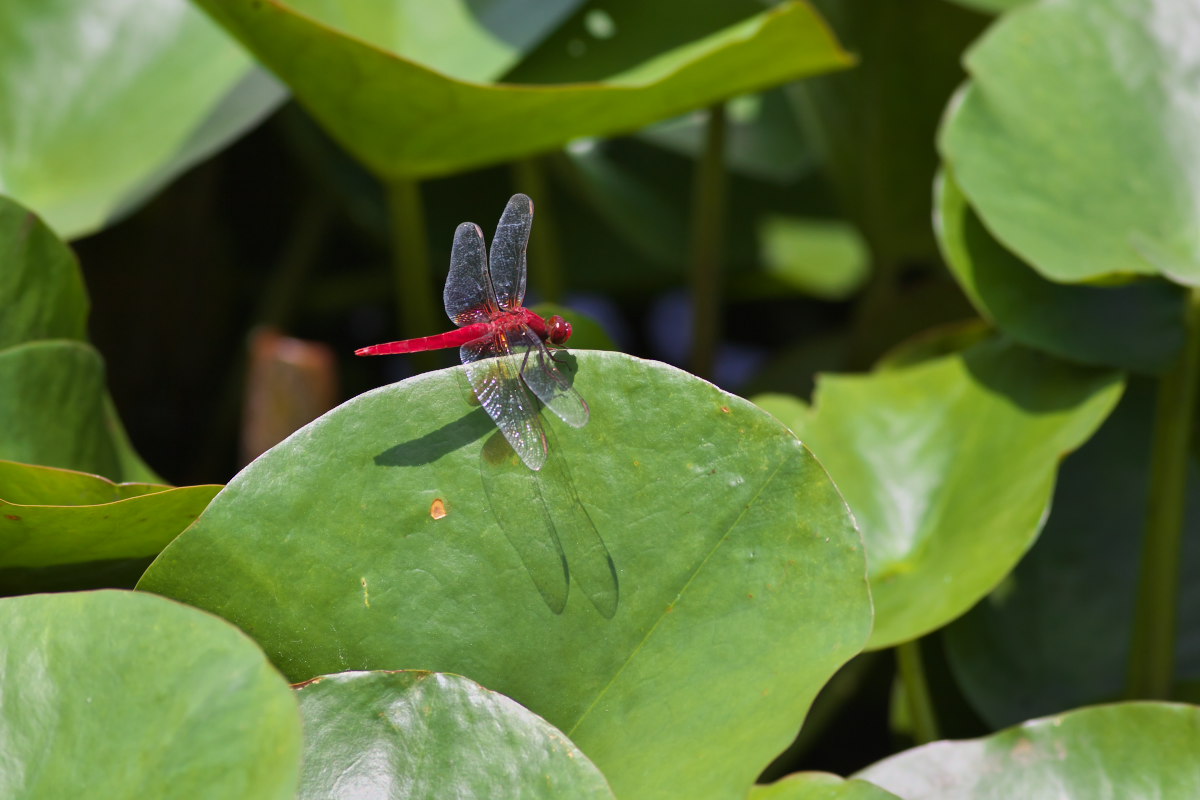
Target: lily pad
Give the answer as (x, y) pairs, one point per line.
(126, 695)
(41, 289)
(1072, 137)
(105, 101)
(405, 119)
(1056, 634)
(431, 734)
(370, 540)
(58, 524)
(819, 786)
(948, 466)
(1137, 325)
(1123, 750)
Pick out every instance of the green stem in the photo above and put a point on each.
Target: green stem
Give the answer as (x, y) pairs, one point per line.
(916, 690)
(416, 298)
(708, 239)
(545, 257)
(290, 276)
(1152, 658)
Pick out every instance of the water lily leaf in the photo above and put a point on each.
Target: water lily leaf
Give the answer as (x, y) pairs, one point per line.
(41, 289)
(1056, 634)
(1137, 325)
(824, 258)
(104, 101)
(819, 786)
(1069, 137)
(404, 119)
(471, 40)
(1123, 750)
(368, 540)
(431, 734)
(123, 694)
(948, 466)
(64, 519)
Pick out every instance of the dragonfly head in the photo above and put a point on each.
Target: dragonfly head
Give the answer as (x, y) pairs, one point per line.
(560, 329)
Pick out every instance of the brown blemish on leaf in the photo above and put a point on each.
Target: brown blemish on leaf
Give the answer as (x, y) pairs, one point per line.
(13, 517)
(725, 409)
(438, 509)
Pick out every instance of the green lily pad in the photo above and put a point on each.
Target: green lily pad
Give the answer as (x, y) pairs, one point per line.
(126, 695)
(429, 735)
(471, 40)
(407, 120)
(1071, 136)
(104, 101)
(41, 289)
(1137, 326)
(1056, 634)
(380, 537)
(1124, 750)
(948, 466)
(56, 524)
(819, 786)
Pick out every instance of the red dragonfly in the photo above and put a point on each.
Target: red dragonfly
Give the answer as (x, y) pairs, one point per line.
(502, 343)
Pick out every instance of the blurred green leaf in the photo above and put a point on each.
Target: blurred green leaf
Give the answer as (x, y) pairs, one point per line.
(948, 466)
(819, 786)
(1056, 634)
(1126, 750)
(823, 258)
(41, 291)
(122, 695)
(1137, 326)
(874, 124)
(102, 102)
(433, 735)
(1072, 137)
(405, 120)
(727, 538)
(471, 40)
(53, 518)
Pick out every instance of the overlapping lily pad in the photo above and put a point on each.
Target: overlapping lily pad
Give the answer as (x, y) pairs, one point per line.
(948, 466)
(102, 102)
(1074, 138)
(1137, 325)
(123, 694)
(370, 540)
(1124, 750)
(403, 118)
(819, 786)
(429, 735)
(61, 529)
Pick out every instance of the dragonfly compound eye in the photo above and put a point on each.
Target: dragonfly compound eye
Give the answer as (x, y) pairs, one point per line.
(560, 329)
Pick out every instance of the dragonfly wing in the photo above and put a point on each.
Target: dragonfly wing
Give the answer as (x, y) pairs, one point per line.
(468, 295)
(495, 376)
(507, 260)
(542, 376)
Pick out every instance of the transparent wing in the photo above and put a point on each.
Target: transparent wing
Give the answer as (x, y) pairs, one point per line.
(507, 260)
(495, 376)
(541, 375)
(468, 295)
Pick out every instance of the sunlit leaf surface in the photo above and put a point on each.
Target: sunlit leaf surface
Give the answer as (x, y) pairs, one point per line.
(368, 541)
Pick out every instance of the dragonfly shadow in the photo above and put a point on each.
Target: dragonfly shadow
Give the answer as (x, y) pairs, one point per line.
(547, 525)
(426, 449)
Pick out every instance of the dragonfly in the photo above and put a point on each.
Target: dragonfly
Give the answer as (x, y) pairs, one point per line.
(502, 344)
(505, 350)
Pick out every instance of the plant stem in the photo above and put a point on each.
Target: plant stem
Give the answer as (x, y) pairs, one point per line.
(1152, 657)
(708, 239)
(916, 691)
(416, 298)
(545, 257)
(290, 275)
